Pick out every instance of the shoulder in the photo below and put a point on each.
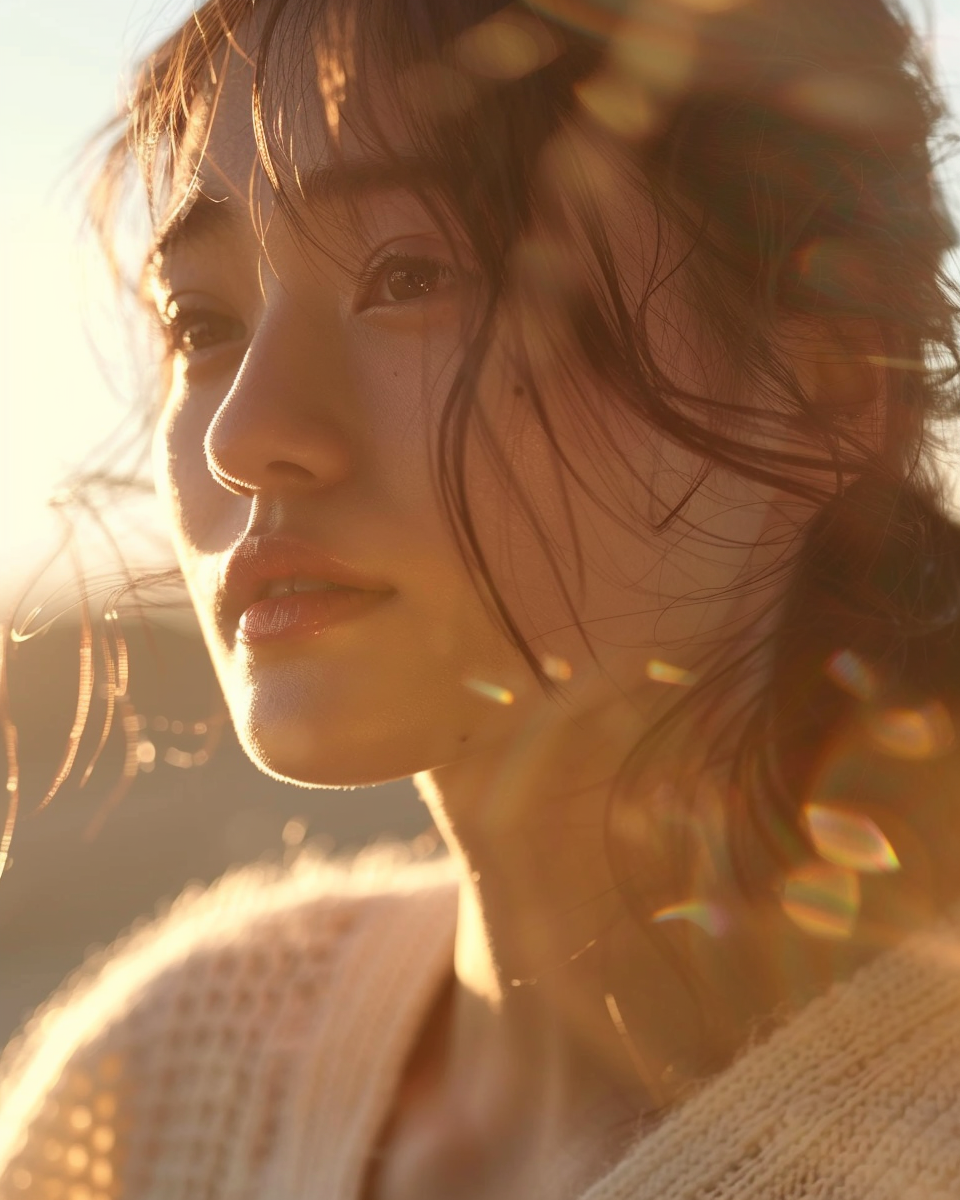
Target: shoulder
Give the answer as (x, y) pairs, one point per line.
(857, 1095)
(227, 976)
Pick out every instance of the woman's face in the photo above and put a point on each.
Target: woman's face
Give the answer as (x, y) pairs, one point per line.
(294, 453)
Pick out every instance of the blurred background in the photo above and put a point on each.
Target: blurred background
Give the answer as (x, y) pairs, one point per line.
(92, 861)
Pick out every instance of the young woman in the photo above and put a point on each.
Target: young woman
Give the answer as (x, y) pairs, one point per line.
(551, 394)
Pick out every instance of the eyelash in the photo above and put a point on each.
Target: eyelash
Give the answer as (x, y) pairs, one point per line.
(377, 271)
(176, 327)
(177, 323)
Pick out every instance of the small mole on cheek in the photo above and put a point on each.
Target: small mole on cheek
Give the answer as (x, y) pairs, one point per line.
(518, 390)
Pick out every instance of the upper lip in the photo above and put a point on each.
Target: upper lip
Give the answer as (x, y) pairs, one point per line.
(258, 560)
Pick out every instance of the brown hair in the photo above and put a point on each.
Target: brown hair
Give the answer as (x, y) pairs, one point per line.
(789, 146)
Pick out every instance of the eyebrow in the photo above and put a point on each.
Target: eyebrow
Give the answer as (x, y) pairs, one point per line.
(199, 216)
(196, 217)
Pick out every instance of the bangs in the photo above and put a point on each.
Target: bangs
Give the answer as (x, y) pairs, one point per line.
(309, 48)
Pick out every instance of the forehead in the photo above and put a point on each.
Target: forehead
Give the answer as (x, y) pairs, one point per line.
(250, 130)
(218, 155)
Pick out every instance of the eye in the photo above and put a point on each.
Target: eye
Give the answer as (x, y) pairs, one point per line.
(401, 278)
(191, 330)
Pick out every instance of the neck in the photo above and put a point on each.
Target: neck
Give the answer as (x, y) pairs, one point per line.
(555, 974)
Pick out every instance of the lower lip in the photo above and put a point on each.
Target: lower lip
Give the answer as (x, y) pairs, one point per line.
(304, 614)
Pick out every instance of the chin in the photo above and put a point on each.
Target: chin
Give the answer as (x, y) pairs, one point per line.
(341, 720)
(328, 737)
(295, 753)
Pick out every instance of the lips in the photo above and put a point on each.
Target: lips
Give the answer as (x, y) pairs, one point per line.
(276, 588)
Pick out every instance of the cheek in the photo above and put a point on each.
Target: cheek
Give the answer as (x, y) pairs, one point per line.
(201, 514)
(401, 382)
(574, 543)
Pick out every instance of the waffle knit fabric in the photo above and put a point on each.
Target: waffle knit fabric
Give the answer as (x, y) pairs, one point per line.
(249, 1044)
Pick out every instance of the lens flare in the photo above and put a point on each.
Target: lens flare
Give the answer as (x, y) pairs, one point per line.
(852, 675)
(708, 917)
(913, 733)
(849, 839)
(663, 672)
(822, 899)
(490, 691)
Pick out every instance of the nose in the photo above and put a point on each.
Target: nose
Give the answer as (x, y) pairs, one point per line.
(283, 424)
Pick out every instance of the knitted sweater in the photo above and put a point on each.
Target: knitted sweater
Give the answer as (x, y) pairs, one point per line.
(249, 1045)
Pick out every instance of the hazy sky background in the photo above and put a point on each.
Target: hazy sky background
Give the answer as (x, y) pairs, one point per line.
(61, 65)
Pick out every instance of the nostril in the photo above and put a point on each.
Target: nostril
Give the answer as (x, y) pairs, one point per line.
(285, 472)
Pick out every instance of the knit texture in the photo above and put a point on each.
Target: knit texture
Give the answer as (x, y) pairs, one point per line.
(250, 1043)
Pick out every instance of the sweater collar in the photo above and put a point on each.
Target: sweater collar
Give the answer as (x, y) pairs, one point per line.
(839, 1101)
(387, 976)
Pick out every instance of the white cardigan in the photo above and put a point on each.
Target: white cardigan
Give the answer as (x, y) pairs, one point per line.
(249, 1045)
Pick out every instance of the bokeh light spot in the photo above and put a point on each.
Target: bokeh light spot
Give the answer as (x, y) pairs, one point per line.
(78, 1158)
(849, 839)
(822, 899)
(913, 733)
(294, 831)
(105, 1106)
(664, 672)
(708, 917)
(837, 267)
(840, 101)
(101, 1173)
(81, 1118)
(624, 108)
(506, 46)
(178, 758)
(852, 675)
(491, 691)
(556, 668)
(102, 1139)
